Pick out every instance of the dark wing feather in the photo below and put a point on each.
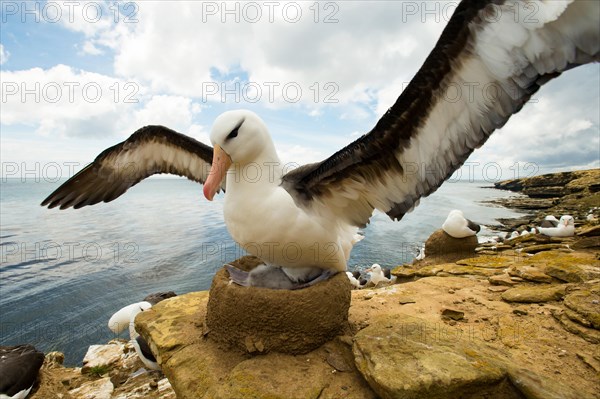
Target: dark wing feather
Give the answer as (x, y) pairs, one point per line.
(19, 367)
(428, 134)
(148, 151)
(145, 348)
(473, 226)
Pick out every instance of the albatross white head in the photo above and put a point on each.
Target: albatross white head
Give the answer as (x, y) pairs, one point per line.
(238, 137)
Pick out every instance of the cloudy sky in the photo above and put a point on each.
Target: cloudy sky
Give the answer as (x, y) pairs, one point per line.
(78, 77)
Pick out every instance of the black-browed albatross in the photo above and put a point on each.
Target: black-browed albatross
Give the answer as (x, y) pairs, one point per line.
(306, 221)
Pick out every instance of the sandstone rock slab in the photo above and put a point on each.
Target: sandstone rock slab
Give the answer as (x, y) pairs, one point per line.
(99, 389)
(593, 231)
(587, 304)
(403, 272)
(589, 334)
(530, 273)
(502, 279)
(429, 271)
(572, 272)
(458, 270)
(404, 358)
(102, 355)
(534, 387)
(545, 259)
(534, 249)
(487, 261)
(534, 294)
(587, 243)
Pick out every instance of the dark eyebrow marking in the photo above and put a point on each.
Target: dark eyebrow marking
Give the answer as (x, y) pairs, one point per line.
(235, 130)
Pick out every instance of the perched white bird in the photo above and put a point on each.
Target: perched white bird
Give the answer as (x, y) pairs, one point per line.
(421, 254)
(19, 368)
(524, 233)
(377, 274)
(565, 228)
(305, 221)
(125, 317)
(514, 235)
(139, 343)
(457, 226)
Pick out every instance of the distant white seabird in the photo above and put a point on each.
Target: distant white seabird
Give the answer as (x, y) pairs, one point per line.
(457, 226)
(565, 228)
(377, 274)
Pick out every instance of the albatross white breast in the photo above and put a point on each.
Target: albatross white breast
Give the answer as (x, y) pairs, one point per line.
(564, 228)
(305, 221)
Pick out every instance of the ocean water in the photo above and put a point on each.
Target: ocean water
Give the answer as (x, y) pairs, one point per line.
(64, 273)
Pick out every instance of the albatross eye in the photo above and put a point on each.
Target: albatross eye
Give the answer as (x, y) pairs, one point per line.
(233, 133)
(235, 130)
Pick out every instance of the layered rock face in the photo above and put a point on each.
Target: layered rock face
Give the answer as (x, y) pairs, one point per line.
(111, 371)
(556, 193)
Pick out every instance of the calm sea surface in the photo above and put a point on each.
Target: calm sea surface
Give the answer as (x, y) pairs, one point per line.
(63, 273)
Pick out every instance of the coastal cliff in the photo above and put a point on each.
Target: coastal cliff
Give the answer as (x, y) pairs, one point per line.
(513, 319)
(574, 193)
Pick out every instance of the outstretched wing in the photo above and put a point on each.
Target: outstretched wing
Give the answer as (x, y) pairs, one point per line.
(490, 59)
(150, 150)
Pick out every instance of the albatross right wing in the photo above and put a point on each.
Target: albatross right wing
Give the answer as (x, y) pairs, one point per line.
(498, 57)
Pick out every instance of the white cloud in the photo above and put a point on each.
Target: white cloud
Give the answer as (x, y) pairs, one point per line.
(172, 111)
(103, 24)
(62, 100)
(4, 54)
(299, 155)
(335, 61)
(90, 48)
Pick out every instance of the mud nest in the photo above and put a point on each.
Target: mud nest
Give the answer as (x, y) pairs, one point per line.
(257, 320)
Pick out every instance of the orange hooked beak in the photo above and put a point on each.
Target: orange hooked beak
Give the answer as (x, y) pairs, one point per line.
(220, 164)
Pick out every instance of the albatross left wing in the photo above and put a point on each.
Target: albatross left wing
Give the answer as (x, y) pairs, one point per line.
(498, 53)
(150, 150)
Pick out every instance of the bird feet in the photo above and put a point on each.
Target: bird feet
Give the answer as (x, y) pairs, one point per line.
(275, 277)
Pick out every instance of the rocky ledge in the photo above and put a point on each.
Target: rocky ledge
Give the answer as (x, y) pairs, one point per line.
(573, 193)
(518, 319)
(111, 371)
